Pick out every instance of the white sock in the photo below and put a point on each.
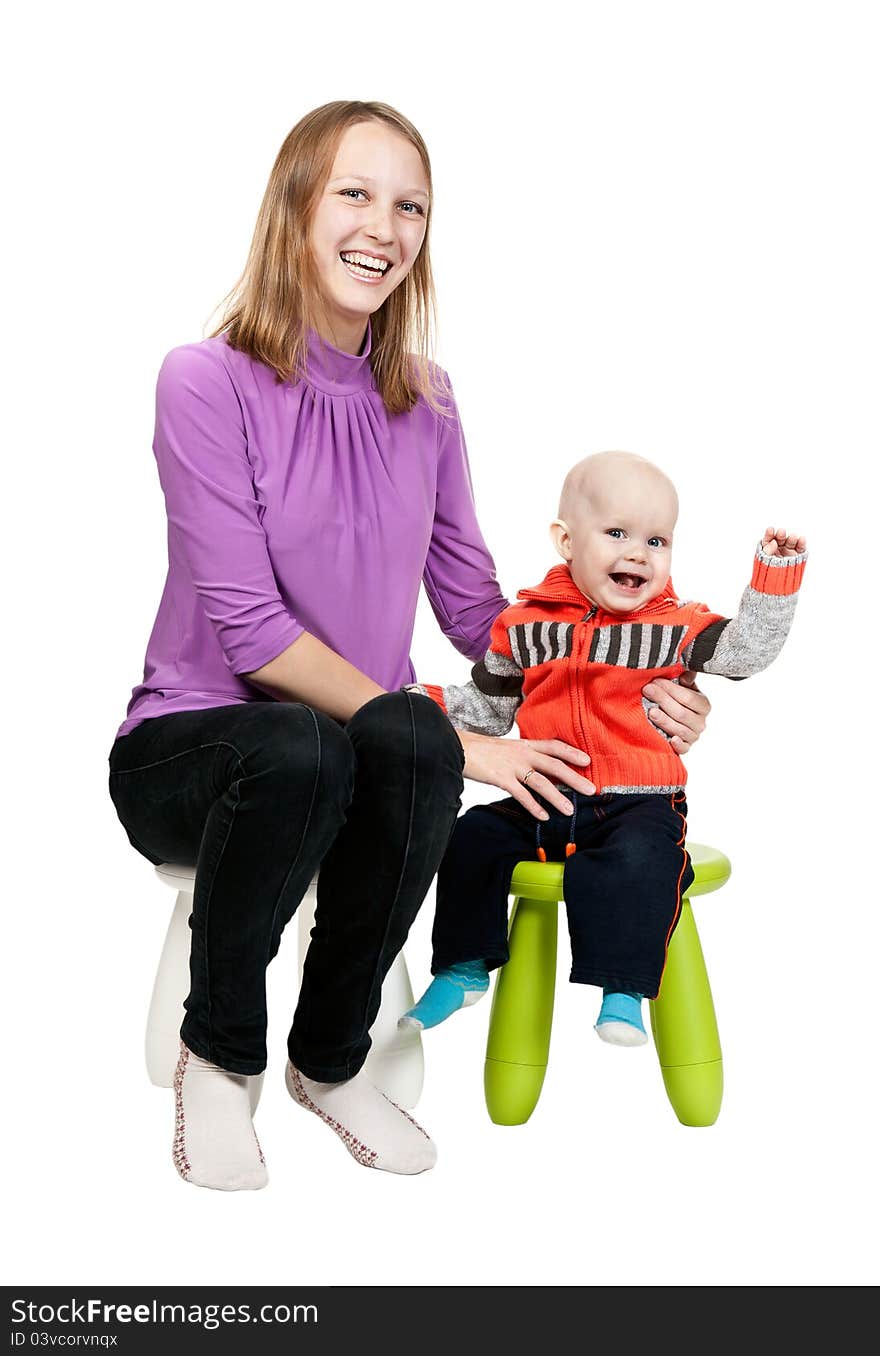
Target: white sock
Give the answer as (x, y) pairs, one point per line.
(374, 1130)
(621, 1033)
(215, 1144)
(620, 1018)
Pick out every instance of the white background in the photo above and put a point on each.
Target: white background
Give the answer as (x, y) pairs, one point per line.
(656, 228)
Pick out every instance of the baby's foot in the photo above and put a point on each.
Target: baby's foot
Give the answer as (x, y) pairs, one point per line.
(620, 1019)
(215, 1144)
(373, 1129)
(458, 987)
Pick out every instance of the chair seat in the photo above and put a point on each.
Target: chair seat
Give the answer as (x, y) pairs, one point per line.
(183, 878)
(543, 880)
(178, 877)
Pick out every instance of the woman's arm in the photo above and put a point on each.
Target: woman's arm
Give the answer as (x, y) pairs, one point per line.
(309, 671)
(214, 520)
(459, 574)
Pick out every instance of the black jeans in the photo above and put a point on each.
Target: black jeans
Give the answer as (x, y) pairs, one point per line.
(258, 796)
(623, 885)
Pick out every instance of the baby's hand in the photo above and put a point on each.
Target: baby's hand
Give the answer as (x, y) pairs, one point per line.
(778, 542)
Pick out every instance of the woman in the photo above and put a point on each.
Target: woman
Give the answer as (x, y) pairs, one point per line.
(314, 474)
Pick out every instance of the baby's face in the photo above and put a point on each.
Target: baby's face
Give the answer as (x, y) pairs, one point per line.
(619, 538)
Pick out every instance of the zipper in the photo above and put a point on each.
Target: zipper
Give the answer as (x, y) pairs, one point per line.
(575, 686)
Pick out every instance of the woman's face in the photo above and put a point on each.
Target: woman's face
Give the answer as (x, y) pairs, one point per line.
(368, 227)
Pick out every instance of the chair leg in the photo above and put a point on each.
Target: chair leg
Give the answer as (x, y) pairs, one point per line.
(396, 1061)
(170, 988)
(166, 1013)
(685, 1030)
(522, 1014)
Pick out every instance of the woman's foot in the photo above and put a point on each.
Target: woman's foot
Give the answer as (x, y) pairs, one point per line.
(620, 1019)
(373, 1129)
(215, 1144)
(457, 987)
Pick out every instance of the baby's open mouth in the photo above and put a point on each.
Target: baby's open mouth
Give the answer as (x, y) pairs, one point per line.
(363, 264)
(633, 582)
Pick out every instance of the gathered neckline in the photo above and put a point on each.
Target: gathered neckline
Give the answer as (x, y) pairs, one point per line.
(336, 372)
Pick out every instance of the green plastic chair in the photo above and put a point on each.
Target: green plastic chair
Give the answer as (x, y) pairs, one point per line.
(682, 1015)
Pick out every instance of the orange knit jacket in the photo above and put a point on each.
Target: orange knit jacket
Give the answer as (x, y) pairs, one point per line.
(563, 669)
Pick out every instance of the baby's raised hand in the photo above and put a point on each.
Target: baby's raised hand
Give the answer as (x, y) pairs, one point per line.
(778, 542)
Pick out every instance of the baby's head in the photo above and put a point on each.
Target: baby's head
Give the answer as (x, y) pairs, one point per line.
(617, 513)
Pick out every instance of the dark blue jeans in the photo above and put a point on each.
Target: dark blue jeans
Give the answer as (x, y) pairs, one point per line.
(623, 885)
(258, 796)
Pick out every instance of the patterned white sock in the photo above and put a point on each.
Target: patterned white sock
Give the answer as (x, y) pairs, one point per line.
(215, 1144)
(374, 1130)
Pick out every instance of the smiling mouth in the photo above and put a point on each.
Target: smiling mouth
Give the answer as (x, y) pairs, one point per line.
(364, 265)
(631, 582)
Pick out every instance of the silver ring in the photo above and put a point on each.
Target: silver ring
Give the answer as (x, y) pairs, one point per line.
(528, 774)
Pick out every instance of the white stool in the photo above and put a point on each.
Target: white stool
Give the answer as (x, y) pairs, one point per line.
(395, 1063)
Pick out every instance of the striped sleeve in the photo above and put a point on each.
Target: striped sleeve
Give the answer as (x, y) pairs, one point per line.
(741, 646)
(489, 702)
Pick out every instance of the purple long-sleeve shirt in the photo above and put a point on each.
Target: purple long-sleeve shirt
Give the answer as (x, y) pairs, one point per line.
(303, 507)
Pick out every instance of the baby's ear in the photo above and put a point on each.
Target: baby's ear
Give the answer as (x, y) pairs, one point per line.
(561, 538)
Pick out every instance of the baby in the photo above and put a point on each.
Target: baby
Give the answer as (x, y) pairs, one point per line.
(569, 661)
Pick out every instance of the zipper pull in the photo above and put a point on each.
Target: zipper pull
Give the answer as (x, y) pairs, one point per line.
(588, 616)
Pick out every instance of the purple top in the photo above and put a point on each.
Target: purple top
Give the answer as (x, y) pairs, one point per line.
(303, 507)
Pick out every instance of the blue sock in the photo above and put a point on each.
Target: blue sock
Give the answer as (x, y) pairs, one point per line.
(621, 1013)
(458, 987)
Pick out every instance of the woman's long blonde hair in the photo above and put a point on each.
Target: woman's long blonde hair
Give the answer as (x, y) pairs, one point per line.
(276, 301)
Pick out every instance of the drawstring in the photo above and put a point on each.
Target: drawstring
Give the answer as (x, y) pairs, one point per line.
(570, 846)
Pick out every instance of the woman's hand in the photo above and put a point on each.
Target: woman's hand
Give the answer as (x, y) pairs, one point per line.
(509, 763)
(681, 709)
